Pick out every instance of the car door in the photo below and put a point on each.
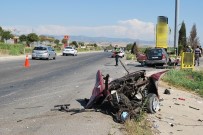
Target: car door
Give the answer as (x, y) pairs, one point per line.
(51, 52)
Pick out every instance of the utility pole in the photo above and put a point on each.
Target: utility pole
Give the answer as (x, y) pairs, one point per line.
(176, 27)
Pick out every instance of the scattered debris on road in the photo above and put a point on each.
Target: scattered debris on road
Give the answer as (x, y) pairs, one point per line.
(167, 92)
(194, 108)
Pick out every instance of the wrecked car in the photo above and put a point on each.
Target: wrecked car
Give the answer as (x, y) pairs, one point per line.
(127, 95)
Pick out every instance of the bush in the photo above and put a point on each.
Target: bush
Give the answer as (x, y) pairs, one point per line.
(130, 56)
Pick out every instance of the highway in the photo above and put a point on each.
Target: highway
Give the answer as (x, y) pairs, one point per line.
(28, 94)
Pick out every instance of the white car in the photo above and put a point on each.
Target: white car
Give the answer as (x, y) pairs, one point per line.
(121, 54)
(69, 50)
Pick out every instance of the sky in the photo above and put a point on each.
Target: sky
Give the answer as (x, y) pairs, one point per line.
(134, 19)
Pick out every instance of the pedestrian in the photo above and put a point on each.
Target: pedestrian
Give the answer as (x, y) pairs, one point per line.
(201, 51)
(116, 51)
(197, 54)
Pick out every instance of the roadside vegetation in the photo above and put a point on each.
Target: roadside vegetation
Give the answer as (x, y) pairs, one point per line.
(188, 79)
(130, 56)
(139, 126)
(10, 49)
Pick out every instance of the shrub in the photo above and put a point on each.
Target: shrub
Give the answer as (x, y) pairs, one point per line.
(130, 56)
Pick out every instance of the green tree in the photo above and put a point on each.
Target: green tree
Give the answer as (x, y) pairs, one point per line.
(193, 40)
(110, 47)
(81, 43)
(42, 38)
(182, 42)
(74, 43)
(50, 39)
(23, 38)
(134, 49)
(64, 41)
(129, 46)
(6, 35)
(95, 45)
(56, 41)
(32, 37)
(1, 32)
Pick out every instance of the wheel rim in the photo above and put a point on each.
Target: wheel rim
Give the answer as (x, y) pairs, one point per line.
(155, 105)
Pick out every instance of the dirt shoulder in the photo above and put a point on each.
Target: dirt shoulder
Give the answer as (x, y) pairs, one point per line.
(181, 112)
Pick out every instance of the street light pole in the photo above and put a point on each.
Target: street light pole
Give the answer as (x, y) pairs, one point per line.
(176, 27)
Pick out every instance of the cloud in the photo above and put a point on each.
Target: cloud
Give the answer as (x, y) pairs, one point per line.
(134, 29)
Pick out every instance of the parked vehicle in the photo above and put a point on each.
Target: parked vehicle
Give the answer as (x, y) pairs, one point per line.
(141, 58)
(126, 95)
(157, 56)
(69, 50)
(121, 54)
(43, 52)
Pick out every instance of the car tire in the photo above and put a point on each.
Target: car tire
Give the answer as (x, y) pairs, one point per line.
(152, 103)
(143, 63)
(48, 58)
(33, 58)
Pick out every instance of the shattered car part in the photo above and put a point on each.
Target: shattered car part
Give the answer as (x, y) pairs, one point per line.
(127, 95)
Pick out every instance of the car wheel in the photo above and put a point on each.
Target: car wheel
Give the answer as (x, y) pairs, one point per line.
(48, 58)
(54, 58)
(143, 63)
(33, 58)
(63, 54)
(152, 103)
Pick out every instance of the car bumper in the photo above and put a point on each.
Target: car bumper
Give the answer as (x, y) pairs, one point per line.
(40, 56)
(153, 62)
(69, 52)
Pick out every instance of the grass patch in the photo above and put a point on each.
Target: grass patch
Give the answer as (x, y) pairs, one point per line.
(139, 126)
(188, 79)
(12, 49)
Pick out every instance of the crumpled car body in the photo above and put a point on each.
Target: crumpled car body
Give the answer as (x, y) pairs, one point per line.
(127, 95)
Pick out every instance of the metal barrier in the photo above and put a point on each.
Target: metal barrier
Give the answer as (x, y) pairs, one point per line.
(187, 60)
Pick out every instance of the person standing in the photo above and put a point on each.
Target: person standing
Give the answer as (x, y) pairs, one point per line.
(201, 51)
(117, 51)
(197, 54)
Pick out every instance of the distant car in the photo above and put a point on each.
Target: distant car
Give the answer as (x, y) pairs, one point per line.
(121, 54)
(156, 56)
(69, 50)
(43, 52)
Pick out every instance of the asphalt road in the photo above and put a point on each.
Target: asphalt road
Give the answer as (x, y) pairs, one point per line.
(27, 95)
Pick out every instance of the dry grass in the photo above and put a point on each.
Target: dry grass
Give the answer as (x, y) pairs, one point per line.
(4, 52)
(142, 127)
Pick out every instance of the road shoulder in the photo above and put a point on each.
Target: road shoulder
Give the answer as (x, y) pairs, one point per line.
(181, 112)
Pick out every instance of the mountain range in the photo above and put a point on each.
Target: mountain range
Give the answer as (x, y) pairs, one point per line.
(106, 40)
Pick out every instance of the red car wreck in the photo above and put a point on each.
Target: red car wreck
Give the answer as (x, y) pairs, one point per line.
(126, 95)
